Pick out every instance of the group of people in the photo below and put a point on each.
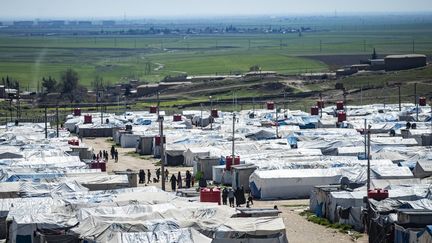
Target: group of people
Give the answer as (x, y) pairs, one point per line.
(142, 176)
(178, 181)
(114, 153)
(236, 197)
(102, 155)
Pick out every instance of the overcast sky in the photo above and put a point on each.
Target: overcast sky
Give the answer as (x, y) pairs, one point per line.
(198, 8)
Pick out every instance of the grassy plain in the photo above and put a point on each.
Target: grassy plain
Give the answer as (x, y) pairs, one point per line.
(118, 58)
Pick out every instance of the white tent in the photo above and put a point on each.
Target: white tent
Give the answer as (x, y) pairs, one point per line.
(285, 184)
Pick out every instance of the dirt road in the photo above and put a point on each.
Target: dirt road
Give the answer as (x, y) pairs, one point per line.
(298, 229)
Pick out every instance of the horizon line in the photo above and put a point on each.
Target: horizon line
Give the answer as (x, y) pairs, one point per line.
(124, 17)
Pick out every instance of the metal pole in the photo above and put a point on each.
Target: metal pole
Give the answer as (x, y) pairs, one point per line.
(365, 137)
(162, 152)
(361, 95)
(277, 124)
(233, 136)
(101, 109)
(415, 100)
(284, 101)
(211, 110)
(368, 159)
(400, 107)
(57, 121)
(201, 116)
(160, 119)
(46, 126)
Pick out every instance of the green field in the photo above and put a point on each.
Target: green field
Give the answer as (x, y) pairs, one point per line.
(118, 58)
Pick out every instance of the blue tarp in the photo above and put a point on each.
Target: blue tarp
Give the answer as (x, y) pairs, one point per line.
(33, 177)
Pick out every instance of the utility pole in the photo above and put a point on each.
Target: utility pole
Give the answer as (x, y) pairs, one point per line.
(399, 88)
(57, 120)
(201, 105)
(101, 109)
(345, 100)
(415, 100)
(46, 126)
(160, 119)
(277, 123)
(365, 137)
(211, 115)
(368, 159)
(233, 136)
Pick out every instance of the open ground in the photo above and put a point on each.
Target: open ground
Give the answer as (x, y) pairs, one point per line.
(298, 229)
(119, 58)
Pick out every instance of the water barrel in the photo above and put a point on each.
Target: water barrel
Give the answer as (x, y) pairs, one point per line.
(212, 195)
(77, 112)
(229, 162)
(153, 109)
(214, 113)
(341, 116)
(270, 105)
(177, 117)
(339, 105)
(87, 119)
(422, 101)
(158, 140)
(314, 111)
(378, 194)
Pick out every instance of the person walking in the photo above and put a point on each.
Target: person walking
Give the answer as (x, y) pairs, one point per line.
(193, 180)
(179, 180)
(237, 196)
(188, 179)
(166, 174)
(148, 176)
(173, 181)
(224, 196)
(158, 173)
(250, 199)
(116, 156)
(112, 152)
(231, 197)
(241, 195)
(141, 176)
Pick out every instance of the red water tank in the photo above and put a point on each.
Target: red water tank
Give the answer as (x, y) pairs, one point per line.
(153, 109)
(270, 105)
(422, 101)
(98, 165)
(341, 116)
(378, 194)
(320, 104)
(77, 112)
(339, 105)
(229, 162)
(158, 140)
(212, 195)
(214, 113)
(73, 141)
(177, 117)
(87, 119)
(314, 111)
